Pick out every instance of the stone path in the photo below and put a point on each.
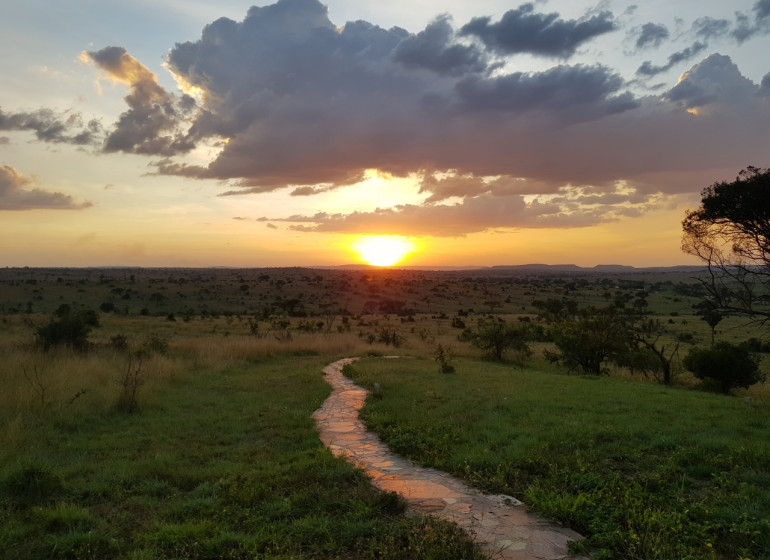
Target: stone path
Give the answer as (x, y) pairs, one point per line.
(500, 524)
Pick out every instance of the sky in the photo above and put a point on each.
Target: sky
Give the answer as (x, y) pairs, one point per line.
(188, 133)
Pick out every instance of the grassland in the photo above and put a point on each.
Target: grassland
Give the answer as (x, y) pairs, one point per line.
(644, 471)
(221, 461)
(221, 458)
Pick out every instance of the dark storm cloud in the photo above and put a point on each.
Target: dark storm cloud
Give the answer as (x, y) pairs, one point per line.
(303, 103)
(152, 125)
(649, 69)
(576, 92)
(433, 49)
(51, 126)
(525, 31)
(651, 35)
(762, 10)
(19, 192)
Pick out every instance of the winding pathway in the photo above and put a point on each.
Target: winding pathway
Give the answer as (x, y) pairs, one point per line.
(500, 524)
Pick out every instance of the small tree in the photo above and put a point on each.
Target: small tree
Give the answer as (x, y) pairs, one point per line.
(709, 312)
(725, 366)
(498, 337)
(130, 380)
(648, 354)
(587, 343)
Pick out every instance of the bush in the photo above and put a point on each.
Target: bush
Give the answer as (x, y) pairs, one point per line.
(443, 356)
(67, 328)
(724, 366)
(119, 342)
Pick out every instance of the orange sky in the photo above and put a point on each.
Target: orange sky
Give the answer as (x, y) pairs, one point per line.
(556, 133)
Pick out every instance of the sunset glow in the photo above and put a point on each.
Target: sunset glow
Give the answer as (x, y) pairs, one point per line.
(446, 134)
(382, 250)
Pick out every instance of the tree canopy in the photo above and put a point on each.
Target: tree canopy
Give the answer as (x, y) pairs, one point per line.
(730, 232)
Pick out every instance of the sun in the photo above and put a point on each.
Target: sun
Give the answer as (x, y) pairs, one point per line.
(382, 250)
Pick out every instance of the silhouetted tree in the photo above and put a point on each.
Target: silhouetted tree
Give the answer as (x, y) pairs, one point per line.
(730, 232)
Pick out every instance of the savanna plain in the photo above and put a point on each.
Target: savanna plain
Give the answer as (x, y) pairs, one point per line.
(166, 413)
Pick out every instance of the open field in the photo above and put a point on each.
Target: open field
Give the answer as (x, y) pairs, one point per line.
(644, 471)
(220, 457)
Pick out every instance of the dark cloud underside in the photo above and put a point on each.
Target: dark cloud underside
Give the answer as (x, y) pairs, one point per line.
(523, 30)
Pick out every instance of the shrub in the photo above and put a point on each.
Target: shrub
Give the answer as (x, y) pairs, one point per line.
(724, 366)
(130, 380)
(67, 328)
(155, 344)
(389, 336)
(444, 358)
(119, 342)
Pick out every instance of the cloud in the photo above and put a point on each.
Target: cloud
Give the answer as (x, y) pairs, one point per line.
(16, 194)
(304, 105)
(651, 35)
(433, 49)
(764, 90)
(741, 30)
(569, 207)
(648, 69)
(762, 10)
(707, 28)
(56, 127)
(310, 191)
(715, 80)
(522, 30)
(302, 102)
(575, 92)
(153, 124)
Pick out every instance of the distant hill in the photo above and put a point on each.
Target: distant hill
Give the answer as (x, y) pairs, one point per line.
(600, 268)
(533, 268)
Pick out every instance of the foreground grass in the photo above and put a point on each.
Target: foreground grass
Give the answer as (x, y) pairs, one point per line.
(643, 471)
(218, 463)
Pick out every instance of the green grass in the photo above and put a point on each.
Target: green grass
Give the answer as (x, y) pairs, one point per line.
(217, 463)
(643, 471)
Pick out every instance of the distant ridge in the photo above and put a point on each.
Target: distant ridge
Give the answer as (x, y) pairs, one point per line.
(533, 267)
(601, 268)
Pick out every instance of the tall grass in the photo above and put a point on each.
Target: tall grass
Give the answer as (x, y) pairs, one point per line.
(221, 460)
